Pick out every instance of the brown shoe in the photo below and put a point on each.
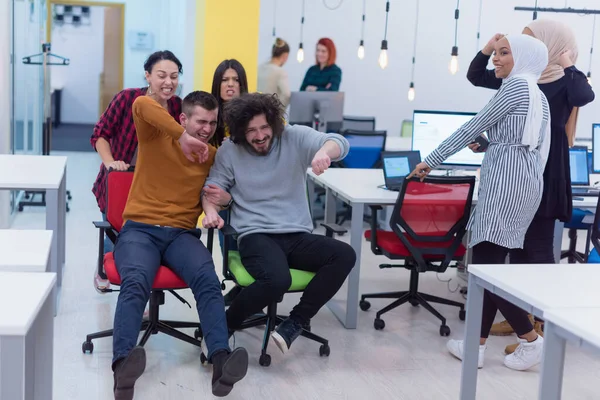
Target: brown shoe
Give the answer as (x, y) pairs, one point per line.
(537, 326)
(501, 329)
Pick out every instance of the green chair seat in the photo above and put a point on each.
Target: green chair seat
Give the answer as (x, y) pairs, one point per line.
(300, 279)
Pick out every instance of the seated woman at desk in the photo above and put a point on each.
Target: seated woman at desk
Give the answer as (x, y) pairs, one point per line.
(324, 75)
(517, 120)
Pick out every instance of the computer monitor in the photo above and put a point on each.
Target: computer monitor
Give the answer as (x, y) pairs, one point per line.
(397, 165)
(430, 128)
(578, 161)
(323, 111)
(596, 148)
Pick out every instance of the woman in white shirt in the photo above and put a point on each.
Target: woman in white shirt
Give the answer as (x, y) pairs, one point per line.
(272, 78)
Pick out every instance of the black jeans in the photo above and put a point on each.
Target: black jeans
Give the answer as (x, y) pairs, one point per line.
(269, 257)
(139, 252)
(490, 253)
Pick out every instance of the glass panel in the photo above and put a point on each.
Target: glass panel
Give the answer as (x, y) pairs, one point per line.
(28, 80)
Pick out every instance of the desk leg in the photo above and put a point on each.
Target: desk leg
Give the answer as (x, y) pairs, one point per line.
(62, 219)
(558, 235)
(12, 368)
(552, 364)
(42, 335)
(468, 381)
(330, 207)
(53, 224)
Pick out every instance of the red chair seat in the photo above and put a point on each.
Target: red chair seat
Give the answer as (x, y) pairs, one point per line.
(388, 241)
(165, 279)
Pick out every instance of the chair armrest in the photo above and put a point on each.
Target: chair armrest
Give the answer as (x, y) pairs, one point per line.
(102, 224)
(330, 229)
(228, 230)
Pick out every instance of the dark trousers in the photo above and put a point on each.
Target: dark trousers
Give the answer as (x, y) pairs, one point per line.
(269, 257)
(538, 247)
(490, 253)
(139, 252)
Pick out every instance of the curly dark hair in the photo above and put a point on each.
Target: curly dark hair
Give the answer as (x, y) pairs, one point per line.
(240, 111)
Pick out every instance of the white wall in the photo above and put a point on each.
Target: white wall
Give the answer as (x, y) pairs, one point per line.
(5, 98)
(371, 91)
(84, 46)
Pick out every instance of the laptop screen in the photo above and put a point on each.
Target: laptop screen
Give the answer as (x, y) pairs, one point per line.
(397, 165)
(578, 161)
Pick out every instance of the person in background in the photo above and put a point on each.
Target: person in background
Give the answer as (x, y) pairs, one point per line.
(114, 136)
(325, 75)
(517, 120)
(566, 89)
(229, 82)
(272, 78)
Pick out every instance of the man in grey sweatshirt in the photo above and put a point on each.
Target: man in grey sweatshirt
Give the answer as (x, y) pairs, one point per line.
(264, 166)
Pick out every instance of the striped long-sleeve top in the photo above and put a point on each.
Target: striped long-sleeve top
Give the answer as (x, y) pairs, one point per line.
(511, 178)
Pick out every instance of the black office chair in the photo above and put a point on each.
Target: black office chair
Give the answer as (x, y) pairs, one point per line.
(358, 123)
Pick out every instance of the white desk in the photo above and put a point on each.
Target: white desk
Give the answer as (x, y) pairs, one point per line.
(25, 250)
(398, 143)
(26, 335)
(43, 173)
(578, 325)
(536, 288)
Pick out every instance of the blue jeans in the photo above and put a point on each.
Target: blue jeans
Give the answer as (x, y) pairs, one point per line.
(108, 244)
(139, 252)
(233, 246)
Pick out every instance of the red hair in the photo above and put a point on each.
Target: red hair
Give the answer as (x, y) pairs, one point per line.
(328, 43)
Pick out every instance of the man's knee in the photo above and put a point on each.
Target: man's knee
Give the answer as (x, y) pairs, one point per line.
(278, 284)
(344, 255)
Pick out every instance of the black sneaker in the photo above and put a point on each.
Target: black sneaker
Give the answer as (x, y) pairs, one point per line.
(232, 294)
(285, 334)
(127, 372)
(228, 368)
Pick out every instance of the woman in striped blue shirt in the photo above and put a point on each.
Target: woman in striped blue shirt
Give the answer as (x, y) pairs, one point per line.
(517, 120)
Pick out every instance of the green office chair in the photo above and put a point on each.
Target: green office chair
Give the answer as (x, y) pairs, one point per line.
(407, 128)
(234, 269)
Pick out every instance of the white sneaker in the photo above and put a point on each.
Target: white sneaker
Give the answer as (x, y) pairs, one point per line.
(526, 355)
(456, 348)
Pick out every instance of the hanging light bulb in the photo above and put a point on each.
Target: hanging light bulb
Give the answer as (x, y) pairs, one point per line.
(411, 92)
(383, 56)
(300, 54)
(589, 77)
(453, 66)
(361, 50)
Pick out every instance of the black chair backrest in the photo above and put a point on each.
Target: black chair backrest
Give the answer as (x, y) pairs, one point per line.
(596, 228)
(359, 123)
(431, 217)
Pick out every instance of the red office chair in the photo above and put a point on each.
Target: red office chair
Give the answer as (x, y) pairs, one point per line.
(118, 184)
(428, 225)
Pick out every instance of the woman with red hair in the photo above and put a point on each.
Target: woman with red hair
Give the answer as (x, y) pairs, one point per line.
(324, 75)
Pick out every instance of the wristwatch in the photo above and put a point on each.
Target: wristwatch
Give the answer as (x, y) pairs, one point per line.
(226, 206)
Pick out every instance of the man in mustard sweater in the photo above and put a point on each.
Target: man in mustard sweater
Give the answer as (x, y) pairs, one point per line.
(160, 228)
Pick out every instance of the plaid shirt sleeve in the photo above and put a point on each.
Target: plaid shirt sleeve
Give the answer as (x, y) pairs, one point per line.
(110, 120)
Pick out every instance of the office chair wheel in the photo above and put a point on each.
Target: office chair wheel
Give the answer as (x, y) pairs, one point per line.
(197, 334)
(20, 207)
(87, 347)
(69, 197)
(379, 324)
(203, 359)
(413, 302)
(223, 287)
(264, 360)
(462, 315)
(444, 330)
(364, 305)
(324, 350)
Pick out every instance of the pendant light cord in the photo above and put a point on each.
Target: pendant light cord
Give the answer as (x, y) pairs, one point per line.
(387, 11)
(456, 14)
(412, 74)
(592, 46)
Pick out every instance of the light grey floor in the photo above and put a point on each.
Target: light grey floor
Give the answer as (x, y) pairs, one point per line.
(405, 361)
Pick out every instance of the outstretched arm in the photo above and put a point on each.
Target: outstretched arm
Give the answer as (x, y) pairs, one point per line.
(148, 110)
(504, 102)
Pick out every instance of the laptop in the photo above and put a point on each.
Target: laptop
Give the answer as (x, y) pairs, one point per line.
(396, 166)
(580, 172)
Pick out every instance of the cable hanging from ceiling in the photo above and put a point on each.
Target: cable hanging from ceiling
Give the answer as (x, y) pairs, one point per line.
(361, 45)
(479, 24)
(411, 87)
(589, 74)
(453, 66)
(274, 18)
(300, 54)
(383, 56)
